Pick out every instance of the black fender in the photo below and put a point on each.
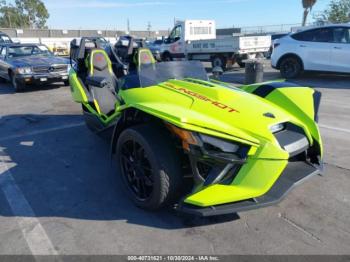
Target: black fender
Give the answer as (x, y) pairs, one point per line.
(119, 126)
(290, 55)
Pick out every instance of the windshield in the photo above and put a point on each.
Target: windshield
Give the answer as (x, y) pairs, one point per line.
(158, 42)
(28, 50)
(5, 39)
(154, 74)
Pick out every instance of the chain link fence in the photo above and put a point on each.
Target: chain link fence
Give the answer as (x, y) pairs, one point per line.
(56, 33)
(270, 29)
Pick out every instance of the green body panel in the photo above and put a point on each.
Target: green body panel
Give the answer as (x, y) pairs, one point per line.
(254, 180)
(77, 89)
(297, 101)
(221, 110)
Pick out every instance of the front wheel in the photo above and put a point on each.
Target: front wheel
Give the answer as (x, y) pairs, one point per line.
(66, 83)
(290, 67)
(149, 166)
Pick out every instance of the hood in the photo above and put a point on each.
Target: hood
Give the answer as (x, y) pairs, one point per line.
(210, 106)
(37, 61)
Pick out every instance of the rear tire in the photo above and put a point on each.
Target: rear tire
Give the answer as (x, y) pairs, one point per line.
(18, 87)
(167, 57)
(241, 64)
(290, 67)
(149, 166)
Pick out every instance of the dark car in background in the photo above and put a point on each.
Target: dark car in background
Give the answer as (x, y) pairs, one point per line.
(155, 48)
(4, 38)
(24, 64)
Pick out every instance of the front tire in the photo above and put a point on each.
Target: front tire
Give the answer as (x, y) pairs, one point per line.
(66, 83)
(149, 166)
(290, 67)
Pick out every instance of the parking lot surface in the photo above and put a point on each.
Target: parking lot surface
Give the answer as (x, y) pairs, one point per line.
(59, 193)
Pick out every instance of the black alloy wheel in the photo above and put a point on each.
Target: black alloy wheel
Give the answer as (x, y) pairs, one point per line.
(290, 67)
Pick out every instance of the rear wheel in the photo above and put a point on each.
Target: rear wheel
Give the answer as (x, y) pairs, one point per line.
(290, 67)
(149, 166)
(18, 87)
(219, 61)
(240, 62)
(167, 57)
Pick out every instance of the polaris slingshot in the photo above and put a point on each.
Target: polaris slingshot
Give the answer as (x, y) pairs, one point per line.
(182, 139)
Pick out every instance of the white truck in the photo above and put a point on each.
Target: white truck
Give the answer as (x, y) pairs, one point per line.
(196, 40)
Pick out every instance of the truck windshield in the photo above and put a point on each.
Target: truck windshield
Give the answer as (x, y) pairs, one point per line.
(154, 74)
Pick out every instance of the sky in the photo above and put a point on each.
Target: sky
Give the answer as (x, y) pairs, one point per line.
(113, 14)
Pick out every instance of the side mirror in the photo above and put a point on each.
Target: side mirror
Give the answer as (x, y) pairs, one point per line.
(217, 72)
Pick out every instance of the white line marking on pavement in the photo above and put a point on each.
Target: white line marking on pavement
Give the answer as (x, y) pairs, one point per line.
(33, 232)
(335, 128)
(43, 131)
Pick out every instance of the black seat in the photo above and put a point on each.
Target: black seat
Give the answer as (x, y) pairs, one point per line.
(101, 81)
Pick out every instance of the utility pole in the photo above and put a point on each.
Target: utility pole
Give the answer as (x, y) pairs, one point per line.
(149, 27)
(128, 26)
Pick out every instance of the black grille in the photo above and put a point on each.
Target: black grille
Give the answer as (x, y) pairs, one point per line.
(50, 69)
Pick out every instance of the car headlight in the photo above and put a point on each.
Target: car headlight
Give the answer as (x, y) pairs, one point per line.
(277, 128)
(209, 144)
(24, 70)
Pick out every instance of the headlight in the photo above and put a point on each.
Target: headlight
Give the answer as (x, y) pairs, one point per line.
(277, 128)
(187, 137)
(24, 70)
(209, 144)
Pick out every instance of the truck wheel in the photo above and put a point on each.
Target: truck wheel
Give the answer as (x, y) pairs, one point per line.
(219, 61)
(18, 87)
(240, 59)
(241, 64)
(290, 67)
(167, 57)
(149, 166)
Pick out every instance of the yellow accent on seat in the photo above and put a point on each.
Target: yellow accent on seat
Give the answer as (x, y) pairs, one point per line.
(91, 57)
(89, 60)
(144, 56)
(97, 106)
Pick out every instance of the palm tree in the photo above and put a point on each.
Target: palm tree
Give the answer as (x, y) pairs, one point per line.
(307, 5)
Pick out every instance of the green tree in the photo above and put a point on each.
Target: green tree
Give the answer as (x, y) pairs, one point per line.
(307, 5)
(337, 12)
(34, 11)
(25, 13)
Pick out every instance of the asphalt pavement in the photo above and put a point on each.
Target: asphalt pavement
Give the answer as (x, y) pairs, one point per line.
(59, 192)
